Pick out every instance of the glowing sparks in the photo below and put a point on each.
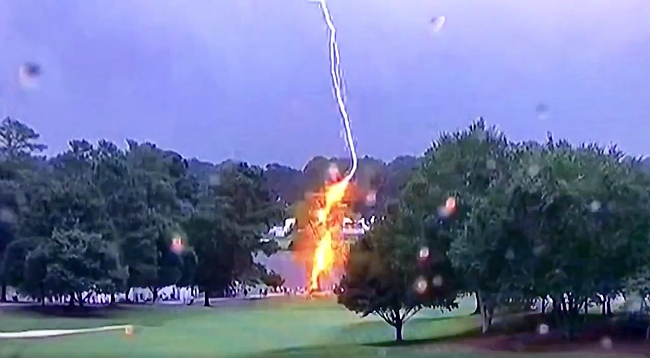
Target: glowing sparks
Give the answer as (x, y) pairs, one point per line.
(324, 255)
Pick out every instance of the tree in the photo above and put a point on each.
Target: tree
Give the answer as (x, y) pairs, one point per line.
(462, 165)
(72, 262)
(18, 145)
(383, 277)
(228, 226)
(18, 140)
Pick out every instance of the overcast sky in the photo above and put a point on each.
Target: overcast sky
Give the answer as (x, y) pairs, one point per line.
(249, 78)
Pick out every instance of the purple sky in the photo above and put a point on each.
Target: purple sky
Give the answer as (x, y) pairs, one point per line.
(249, 78)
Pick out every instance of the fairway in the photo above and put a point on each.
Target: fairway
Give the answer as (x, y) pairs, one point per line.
(254, 329)
(285, 327)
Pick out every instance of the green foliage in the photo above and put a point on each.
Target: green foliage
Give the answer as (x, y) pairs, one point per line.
(229, 224)
(533, 220)
(384, 276)
(72, 262)
(97, 217)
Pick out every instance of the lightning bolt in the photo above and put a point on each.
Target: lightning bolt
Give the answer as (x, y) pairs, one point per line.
(337, 84)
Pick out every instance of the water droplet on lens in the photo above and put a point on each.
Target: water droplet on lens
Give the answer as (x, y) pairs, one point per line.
(491, 164)
(423, 254)
(606, 342)
(420, 285)
(7, 216)
(542, 329)
(533, 170)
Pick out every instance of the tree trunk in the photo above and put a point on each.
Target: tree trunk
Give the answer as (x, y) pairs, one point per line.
(608, 306)
(486, 313)
(3, 291)
(154, 291)
(206, 299)
(42, 292)
(398, 330)
(113, 300)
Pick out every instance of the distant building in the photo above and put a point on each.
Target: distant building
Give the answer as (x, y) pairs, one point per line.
(350, 227)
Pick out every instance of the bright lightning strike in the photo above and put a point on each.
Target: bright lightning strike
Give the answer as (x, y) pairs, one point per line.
(337, 84)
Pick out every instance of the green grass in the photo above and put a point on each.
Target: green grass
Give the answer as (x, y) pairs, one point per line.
(266, 329)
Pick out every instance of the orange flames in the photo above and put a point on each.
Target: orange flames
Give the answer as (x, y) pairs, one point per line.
(325, 254)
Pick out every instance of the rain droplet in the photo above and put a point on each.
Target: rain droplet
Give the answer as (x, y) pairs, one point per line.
(449, 207)
(437, 23)
(437, 281)
(542, 111)
(491, 164)
(606, 342)
(214, 179)
(128, 330)
(371, 198)
(177, 245)
(7, 216)
(28, 74)
(510, 255)
(594, 206)
(542, 329)
(533, 170)
(538, 250)
(611, 206)
(423, 254)
(420, 285)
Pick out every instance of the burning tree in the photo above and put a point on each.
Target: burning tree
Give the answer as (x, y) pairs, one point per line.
(320, 245)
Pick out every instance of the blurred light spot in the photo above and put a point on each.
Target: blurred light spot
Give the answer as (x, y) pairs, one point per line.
(333, 171)
(594, 206)
(437, 281)
(28, 74)
(611, 206)
(510, 255)
(423, 254)
(420, 285)
(533, 170)
(491, 164)
(538, 250)
(542, 329)
(437, 23)
(449, 208)
(371, 198)
(606, 342)
(177, 245)
(542, 111)
(128, 330)
(7, 216)
(214, 180)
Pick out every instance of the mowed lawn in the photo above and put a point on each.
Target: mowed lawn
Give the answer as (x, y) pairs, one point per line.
(262, 329)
